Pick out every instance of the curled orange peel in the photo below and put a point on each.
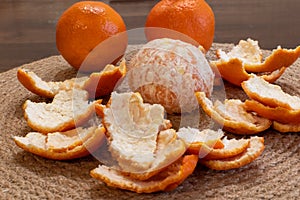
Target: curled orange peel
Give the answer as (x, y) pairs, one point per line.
(254, 150)
(32, 82)
(233, 116)
(66, 145)
(139, 137)
(247, 57)
(196, 139)
(234, 71)
(249, 53)
(67, 110)
(286, 128)
(279, 114)
(98, 84)
(278, 59)
(166, 180)
(232, 147)
(269, 94)
(102, 83)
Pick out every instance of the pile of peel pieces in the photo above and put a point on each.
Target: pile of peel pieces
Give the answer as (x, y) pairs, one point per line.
(150, 155)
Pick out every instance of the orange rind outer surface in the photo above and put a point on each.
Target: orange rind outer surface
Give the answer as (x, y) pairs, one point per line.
(234, 71)
(254, 150)
(36, 85)
(269, 94)
(166, 180)
(231, 148)
(286, 128)
(278, 59)
(36, 143)
(232, 125)
(278, 114)
(103, 83)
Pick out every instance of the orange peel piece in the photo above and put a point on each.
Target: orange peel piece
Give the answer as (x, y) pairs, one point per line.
(285, 128)
(280, 114)
(166, 180)
(231, 148)
(234, 71)
(255, 149)
(248, 51)
(67, 145)
(233, 116)
(250, 54)
(36, 85)
(278, 59)
(67, 110)
(196, 139)
(137, 139)
(98, 84)
(103, 83)
(269, 94)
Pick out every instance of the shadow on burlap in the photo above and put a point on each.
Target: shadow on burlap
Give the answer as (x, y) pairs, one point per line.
(275, 174)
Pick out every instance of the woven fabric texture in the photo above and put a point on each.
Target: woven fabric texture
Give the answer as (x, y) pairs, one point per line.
(275, 174)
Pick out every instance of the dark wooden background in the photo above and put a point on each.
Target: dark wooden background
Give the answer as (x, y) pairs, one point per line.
(27, 28)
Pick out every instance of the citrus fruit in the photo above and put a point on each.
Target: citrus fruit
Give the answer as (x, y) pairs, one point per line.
(193, 18)
(84, 26)
(168, 72)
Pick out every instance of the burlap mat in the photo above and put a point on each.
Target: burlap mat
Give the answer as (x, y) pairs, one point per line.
(25, 176)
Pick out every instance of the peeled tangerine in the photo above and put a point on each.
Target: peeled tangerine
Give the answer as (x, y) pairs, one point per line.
(168, 72)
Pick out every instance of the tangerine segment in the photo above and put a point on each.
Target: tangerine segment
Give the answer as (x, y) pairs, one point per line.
(67, 145)
(67, 110)
(232, 115)
(195, 138)
(36, 85)
(278, 59)
(167, 179)
(135, 137)
(231, 148)
(255, 149)
(269, 94)
(285, 128)
(279, 114)
(103, 83)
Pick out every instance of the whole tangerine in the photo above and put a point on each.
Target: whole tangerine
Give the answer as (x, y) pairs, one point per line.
(87, 25)
(192, 18)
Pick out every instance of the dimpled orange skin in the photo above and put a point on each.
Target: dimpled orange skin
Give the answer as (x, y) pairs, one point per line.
(194, 18)
(82, 27)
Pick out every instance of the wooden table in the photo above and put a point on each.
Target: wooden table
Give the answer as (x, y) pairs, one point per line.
(27, 28)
